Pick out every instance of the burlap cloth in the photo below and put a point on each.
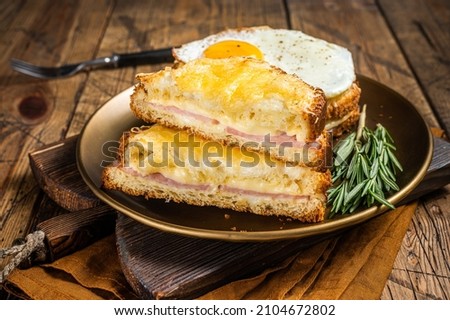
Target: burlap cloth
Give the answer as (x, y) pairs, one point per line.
(353, 265)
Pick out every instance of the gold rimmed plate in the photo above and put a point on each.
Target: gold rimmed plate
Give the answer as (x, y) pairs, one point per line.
(98, 142)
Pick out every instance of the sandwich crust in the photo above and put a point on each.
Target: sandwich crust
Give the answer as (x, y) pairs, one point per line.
(343, 110)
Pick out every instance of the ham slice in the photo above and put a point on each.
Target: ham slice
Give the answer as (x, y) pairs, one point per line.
(160, 178)
(286, 140)
(189, 114)
(262, 194)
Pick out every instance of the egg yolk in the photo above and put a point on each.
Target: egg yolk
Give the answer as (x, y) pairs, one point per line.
(232, 48)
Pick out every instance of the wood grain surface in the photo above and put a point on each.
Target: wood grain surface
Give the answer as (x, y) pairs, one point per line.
(421, 28)
(55, 169)
(403, 44)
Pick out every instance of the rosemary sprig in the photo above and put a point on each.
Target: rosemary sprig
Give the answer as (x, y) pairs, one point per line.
(364, 169)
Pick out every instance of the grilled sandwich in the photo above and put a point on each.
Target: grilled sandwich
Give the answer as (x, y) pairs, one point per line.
(172, 164)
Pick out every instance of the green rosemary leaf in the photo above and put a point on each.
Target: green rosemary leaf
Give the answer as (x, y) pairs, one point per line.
(355, 205)
(370, 199)
(365, 166)
(338, 173)
(354, 192)
(384, 157)
(366, 188)
(389, 184)
(387, 136)
(351, 167)
(379, 147)
(339, 198)
(394, 160)
(344, 149)
(379, 183)
(390, 145)
(364, 169)
(381, 199)
(332, 194)
(389, 174)
(374, 169)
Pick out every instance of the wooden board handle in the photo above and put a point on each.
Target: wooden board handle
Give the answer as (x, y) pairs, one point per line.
(55, 169)
(73, 231)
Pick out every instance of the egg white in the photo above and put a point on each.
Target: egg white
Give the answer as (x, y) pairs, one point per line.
(317, 62)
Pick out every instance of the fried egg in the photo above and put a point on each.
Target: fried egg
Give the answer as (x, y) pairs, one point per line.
(317, 62)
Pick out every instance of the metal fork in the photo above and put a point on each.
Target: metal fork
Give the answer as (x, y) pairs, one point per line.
(115, 60)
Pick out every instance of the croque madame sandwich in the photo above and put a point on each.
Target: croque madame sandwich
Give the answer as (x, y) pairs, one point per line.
(159, 162)
(241, 123)
(317, 62)
(238, 101)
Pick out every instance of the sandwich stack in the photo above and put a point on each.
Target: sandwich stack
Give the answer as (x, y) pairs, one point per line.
(231, 130)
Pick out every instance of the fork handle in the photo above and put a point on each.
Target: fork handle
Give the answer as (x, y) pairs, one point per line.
(143, 57)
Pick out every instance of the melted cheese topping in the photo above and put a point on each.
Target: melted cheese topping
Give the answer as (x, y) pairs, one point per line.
(189, 159)
(244, 93)
(320, 63)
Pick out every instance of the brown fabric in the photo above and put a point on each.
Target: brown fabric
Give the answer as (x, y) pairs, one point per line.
(91, 273)
(354, 265)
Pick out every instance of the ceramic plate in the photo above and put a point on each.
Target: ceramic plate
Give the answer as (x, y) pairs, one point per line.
(98, 143)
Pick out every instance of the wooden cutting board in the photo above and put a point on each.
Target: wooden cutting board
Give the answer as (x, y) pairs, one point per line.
(168, 266)
(158, 264)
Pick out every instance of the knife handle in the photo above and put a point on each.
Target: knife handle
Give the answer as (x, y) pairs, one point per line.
(143, 57)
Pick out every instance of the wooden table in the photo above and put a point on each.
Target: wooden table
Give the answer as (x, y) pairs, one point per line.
(403, 44)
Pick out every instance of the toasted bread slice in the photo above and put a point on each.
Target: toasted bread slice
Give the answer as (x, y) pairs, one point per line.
(159, 162)
(238, 101)
(343, 111)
